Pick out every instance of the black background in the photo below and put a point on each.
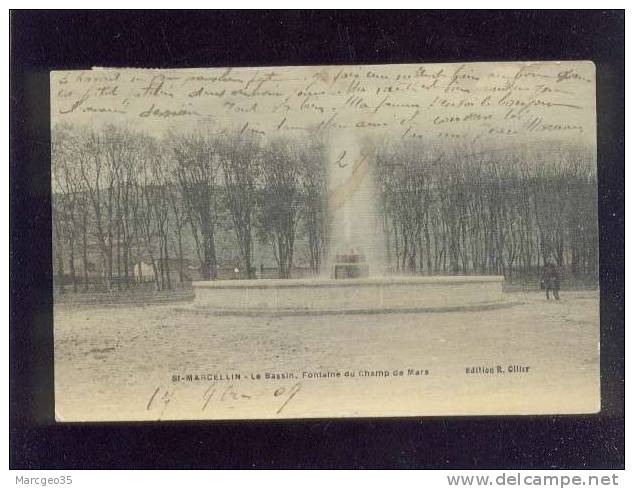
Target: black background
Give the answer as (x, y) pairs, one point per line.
(46, 40)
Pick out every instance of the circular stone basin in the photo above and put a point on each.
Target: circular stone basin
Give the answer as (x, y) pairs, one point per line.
(372, 294)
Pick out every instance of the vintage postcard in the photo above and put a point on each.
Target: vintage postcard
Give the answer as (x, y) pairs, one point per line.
(325, 241)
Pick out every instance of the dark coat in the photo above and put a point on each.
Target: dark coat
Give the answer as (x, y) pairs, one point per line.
(550, 277)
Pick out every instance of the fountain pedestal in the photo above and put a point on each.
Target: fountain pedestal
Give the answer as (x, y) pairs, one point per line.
(355, 295)
(350, 266)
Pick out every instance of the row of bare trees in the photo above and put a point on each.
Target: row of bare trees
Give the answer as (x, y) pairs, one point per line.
(459, 210)
(122, 197)
(133, 198)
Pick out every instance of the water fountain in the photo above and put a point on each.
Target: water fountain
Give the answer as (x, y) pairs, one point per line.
(353, 278)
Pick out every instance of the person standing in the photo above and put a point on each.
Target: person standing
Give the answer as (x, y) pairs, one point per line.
(550, 278)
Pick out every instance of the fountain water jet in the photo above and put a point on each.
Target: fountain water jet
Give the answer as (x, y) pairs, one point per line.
(354, 225)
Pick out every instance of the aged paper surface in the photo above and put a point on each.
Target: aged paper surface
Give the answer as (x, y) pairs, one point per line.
(327, 241)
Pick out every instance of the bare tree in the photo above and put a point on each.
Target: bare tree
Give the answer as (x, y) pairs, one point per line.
(180, 216)
(240, 163)
(146, 193)
(404, 180)
(66, 195)
(313, 187)
(198, 158)
(279, 201)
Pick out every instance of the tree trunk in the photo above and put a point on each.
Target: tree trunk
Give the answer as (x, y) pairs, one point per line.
(60, 270)
(180, 255)
(84, 251)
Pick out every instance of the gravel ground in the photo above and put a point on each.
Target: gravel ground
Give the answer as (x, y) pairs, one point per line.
(133, 362)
